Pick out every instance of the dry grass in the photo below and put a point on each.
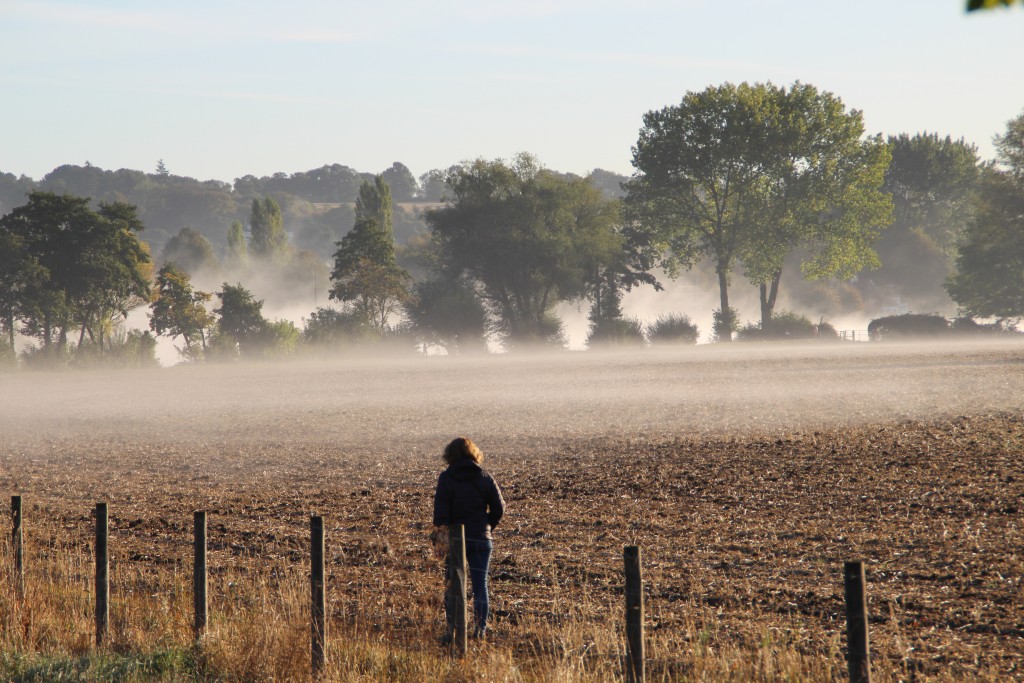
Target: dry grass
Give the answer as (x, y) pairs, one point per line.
(743, 542)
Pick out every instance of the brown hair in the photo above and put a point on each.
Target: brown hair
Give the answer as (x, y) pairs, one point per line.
(462, 448)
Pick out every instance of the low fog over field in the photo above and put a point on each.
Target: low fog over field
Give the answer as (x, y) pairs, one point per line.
(508, 402)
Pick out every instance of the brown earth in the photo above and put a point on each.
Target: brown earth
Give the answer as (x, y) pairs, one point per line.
(752, 531)
(744, 513)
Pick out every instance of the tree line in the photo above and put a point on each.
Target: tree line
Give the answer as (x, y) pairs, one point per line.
(755, 180)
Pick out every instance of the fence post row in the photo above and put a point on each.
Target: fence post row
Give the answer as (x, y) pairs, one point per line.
(102, 574)
(17, 546)
(858, 657)
(318, 595)
(200, 583)
(858, 660)
(634, 615)
(457, 585)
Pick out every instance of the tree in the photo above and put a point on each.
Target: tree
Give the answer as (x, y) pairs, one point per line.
(402, 182)
(178, 310)
(76, 266)
(125, 271)
(365, 274)
(450, 314)
(20, 272)
(753, 173)
(989, 278)
(240, 319)
(237, 254)
(973, 5)
(266, 227)
(190, 251)
(933, 182)
(527, 237)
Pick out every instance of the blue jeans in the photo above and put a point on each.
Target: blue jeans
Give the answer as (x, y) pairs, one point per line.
(478, 557)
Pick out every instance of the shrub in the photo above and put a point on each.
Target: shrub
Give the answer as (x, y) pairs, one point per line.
(616, 332)
(725, 324)
(783, 325)
(8, 357)
(908, 325)
(672, 329)
(968, 326)
(827, 332)
(280, 338)
(134, 349)
(329, 328)
(41, 358)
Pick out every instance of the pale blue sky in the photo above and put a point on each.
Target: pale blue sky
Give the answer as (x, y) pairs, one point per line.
(219, 89)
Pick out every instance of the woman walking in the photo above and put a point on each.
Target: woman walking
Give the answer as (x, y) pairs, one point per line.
(466, 494)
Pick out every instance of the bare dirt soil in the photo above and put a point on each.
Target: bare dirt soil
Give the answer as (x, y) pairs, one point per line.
(746, 478)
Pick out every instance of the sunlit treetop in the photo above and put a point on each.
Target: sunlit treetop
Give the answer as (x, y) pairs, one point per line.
(987, 4)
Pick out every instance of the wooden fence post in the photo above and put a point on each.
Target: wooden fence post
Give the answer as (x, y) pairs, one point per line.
(457, 585)
(319, 598)
(199, 575)
(17, 547)
(634, 615)
(858, 654)
(102, 575)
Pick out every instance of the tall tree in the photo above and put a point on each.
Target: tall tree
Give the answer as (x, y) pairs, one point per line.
(266, 227)
(821, 193)
(934, 183)
(86, 265)
(529, 238)
(237, 255)
(190, 251)
(178, 310)
(753, 173)
(989, 278)
(240, 319)
(450, 314)
(402, 182)
(365, 273)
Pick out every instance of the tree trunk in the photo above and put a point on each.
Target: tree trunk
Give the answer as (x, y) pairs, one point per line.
(769, 296)
(723, 292)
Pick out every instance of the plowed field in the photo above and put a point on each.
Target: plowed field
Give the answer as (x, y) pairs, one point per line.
(746, 478)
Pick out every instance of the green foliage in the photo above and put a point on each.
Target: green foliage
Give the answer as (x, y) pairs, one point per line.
(240, 320)
(827, 331)
(528, 238)
(114, 667)
(973, 5)
(967, 326)
(190, 251)
(755, 173)
(616, 333)
(266, 229)
(67, 265)
(672, 330)
(401, 181)
(178, 310)
(723, 326)
(280, 339)
(934, 184)
(124, 349)
(450, 314)
(331, 329)
(237, 255)
(8, 357)
(783, 325)
(907, 326)
(365, 274)
(989, 278)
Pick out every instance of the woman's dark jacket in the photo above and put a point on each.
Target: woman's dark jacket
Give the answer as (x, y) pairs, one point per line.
(468, 495)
